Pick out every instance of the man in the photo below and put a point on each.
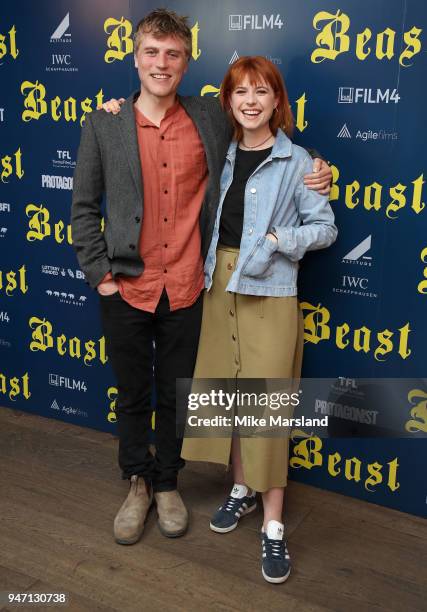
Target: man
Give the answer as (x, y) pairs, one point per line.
(159, 163)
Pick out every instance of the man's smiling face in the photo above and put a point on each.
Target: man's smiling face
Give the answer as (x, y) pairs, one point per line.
(161, 64)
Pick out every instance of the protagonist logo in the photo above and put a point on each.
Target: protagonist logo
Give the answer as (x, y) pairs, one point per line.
(36, 104)
(43, 339)
(317, 328)
(120, 42)
(334, 40)
(307, 454)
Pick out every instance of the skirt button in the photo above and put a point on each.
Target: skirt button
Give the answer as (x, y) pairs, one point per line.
(229, 266)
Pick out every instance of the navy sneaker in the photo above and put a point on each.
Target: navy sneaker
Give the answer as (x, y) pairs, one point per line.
(237, 504)
(276, 562)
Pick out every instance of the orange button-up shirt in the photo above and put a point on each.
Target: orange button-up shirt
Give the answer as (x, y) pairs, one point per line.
(175, 173)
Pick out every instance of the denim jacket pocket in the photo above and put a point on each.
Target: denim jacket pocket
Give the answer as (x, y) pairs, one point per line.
(258, 263)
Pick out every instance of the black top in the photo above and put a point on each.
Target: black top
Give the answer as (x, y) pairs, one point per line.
(231, 224)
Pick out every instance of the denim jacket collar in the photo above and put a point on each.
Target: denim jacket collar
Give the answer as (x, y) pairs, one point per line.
(282, 147)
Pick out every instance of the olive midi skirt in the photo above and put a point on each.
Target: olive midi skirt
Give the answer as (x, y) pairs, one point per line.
(245, 336)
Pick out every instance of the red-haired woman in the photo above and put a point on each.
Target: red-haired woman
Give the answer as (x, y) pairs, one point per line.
(267, 219)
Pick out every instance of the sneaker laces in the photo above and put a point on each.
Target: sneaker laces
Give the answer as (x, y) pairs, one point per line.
(275, 548)
(231, 504)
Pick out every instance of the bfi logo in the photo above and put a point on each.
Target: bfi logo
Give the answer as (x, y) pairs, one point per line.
(61, 59)
(4, 207)
(55, 380)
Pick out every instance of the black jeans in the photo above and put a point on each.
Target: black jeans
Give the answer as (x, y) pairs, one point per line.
(129, 334)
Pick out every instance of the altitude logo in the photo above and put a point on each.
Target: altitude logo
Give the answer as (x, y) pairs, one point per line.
(62, 34)
(357, 284)
(358, 254)
(61, 62)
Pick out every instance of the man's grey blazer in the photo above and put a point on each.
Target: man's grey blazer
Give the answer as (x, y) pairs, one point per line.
(108, 163)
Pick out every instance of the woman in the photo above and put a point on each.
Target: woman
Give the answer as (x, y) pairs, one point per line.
(252, 327)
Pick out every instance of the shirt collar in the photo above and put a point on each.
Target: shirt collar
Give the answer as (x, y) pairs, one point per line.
(143, 121)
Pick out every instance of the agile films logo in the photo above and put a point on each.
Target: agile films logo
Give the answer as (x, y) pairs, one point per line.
(255, 22)
(61, 62)
(273, 60)
(366, 135)
(357, 284)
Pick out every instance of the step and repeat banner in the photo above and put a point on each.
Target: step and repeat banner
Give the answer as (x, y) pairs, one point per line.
(355, 73)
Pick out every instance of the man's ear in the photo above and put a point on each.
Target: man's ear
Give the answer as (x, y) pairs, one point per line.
(135, 60)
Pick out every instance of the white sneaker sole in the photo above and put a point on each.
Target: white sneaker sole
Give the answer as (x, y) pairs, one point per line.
(276, 580)
(228, 529)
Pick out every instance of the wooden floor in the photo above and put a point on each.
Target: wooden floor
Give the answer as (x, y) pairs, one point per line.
(60, 489)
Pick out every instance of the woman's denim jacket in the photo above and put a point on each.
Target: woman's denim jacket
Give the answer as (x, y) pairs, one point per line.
(276, 200)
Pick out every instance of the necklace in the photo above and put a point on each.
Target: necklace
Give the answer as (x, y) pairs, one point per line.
(259, 144)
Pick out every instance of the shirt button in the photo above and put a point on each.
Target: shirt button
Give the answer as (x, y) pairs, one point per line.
(162, 137)
(231, 313)
(234, 337)
(165, 165)
(236, 361)
(137, 219)
(229, 266)
(253, 190)
(165, 270)
(250, 231)
(132, 246)
(165, 219)
(166, 246)
(165, 191)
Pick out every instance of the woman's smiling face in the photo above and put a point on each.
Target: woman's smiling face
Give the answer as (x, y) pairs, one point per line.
(253, 104)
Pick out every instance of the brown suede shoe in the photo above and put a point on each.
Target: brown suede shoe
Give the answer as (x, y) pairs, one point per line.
(173, 515)
(130, 519)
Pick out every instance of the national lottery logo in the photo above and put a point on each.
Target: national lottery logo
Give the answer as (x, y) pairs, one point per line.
(255, 22)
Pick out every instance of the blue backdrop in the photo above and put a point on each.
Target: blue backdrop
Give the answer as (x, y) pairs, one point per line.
(356, 79)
